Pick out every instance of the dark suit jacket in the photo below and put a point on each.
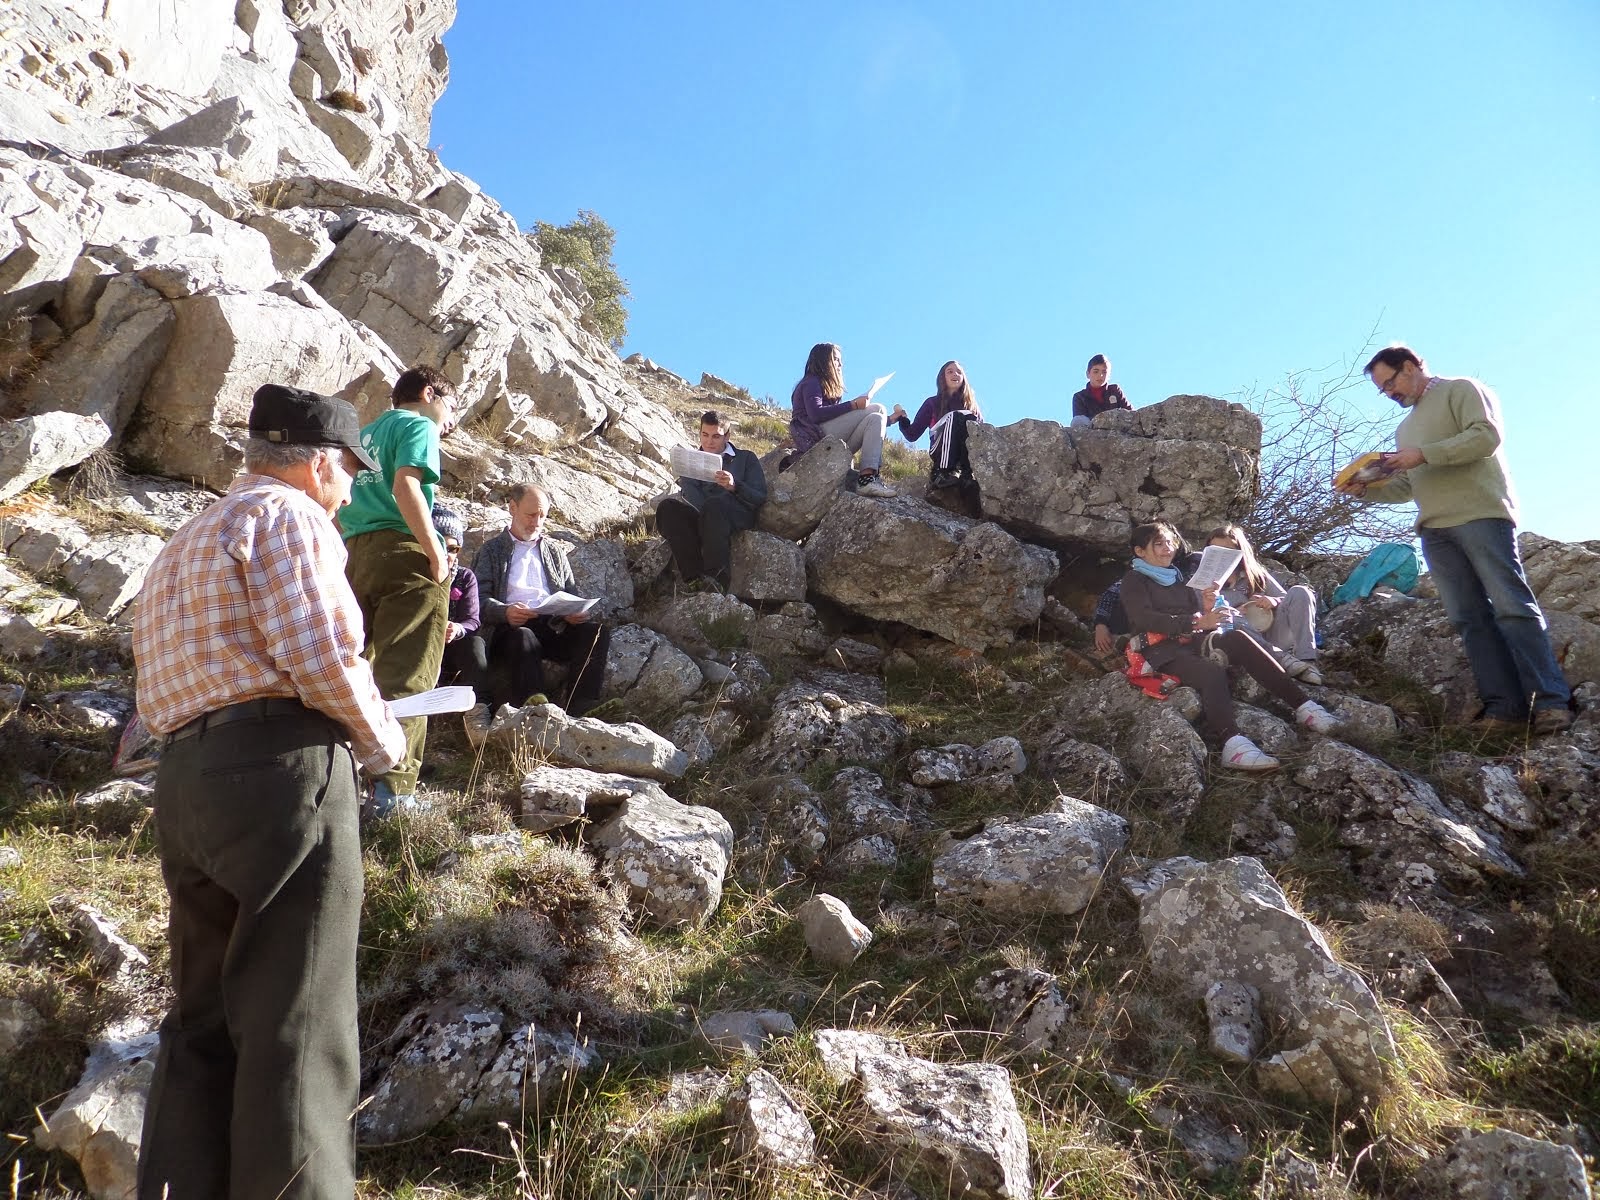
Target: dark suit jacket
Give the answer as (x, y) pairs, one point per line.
(749, 483)
(492, 566)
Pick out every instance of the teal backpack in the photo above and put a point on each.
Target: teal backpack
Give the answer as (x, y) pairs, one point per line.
(1392, 563)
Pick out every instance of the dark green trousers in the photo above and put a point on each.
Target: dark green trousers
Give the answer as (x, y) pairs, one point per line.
(256, 1081)
(405, 610)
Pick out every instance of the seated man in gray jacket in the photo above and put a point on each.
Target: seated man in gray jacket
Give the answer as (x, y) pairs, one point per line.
(518, 570)
(700, 518)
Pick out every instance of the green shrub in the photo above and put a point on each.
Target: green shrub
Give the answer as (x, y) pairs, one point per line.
(585, 244)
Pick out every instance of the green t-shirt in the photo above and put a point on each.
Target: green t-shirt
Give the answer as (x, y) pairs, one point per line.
(399, 438)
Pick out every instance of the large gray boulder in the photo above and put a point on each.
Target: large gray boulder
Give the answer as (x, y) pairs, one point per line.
(1498, 1164)
(1204, 923)
(1370, 796)
(1052, 863)
(798, 499)
(104, 571)
(769, 1126)
(1190, 460)
(904, 560)
(36, 447)
(646, 665)
(1564, 575)
(766, 567)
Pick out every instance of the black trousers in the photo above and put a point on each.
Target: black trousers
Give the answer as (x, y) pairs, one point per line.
(1211, 679)
(256, 1082)
(507, 665)
(702, 538)
(949, 446)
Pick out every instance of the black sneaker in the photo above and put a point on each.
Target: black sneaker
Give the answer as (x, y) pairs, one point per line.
(945, 479)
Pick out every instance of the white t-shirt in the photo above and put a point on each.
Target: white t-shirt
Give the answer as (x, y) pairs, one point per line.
(526, 582)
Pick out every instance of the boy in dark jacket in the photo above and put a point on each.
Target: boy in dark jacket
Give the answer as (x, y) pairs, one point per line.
(699, 519)
(1099, 396)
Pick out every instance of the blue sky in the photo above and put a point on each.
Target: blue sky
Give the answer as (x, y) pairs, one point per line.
(1212, 195)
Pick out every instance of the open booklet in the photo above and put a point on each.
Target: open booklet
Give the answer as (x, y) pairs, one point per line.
(453, 699)
(695, 464)
(1216, 564)
(564, 604)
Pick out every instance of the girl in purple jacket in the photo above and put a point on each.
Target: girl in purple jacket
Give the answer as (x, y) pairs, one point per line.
(821, 411)
(944, 415)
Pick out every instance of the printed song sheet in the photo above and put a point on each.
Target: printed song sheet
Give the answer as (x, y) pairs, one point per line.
(695, 464)
(1216, 564)
(452, 699)
(564, 604)
(878, 383)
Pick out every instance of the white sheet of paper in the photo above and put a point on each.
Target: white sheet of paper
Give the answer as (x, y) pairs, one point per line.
(1216, 564)
(564, 604)
(878, 383)
(454, 699)
(695, 464)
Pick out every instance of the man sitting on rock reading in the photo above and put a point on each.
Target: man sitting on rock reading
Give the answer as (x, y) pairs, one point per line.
(699, 519)
(520, 572)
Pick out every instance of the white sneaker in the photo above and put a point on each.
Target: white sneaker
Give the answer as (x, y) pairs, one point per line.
(1316, 718)
(1311, 677)
(477, 720)
(1241, 754)
(875, 487)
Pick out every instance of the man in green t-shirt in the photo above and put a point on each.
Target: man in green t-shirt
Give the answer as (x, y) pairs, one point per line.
(397, 565)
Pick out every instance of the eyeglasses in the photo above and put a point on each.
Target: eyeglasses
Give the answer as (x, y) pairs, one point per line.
(449, 549)
(1386, 386)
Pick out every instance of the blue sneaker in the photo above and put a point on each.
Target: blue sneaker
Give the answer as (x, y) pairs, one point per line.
(386, 802)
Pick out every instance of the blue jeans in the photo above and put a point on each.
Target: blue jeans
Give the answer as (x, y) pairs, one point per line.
(1486, 595)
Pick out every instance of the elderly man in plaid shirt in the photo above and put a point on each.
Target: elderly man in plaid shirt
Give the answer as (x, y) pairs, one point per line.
(248, 645)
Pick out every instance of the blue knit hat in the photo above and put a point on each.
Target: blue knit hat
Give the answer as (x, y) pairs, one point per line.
(449, 524)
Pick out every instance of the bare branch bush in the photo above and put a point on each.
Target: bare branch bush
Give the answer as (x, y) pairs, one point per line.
(1312, 424)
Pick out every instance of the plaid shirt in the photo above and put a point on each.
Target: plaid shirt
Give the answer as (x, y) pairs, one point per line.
(249, 600)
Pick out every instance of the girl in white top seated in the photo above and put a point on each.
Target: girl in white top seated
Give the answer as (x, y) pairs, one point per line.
(1284, 620)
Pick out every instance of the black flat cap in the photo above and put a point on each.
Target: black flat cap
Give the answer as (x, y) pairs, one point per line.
(295, 417)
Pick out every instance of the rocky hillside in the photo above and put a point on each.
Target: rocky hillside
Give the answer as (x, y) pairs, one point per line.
(868, 878)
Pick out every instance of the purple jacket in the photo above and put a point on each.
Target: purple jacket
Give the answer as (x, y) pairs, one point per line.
(464, 599)
(810, 411)
(931, 412)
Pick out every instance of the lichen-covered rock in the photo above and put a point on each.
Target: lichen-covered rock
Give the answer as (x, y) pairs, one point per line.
(531, 1070)
(847, 654)
(103, 571)
(1229, 920)
(646, 665)
(871, 853)
(1025, 1005)
(1233, 1010)
(841, 1050)
(114, 956)
(958, 1122)
(958, 763)
(769, 1127)
(1079, 768)
(792, 632)
(1049, 864)
(1166, 756)
(1564, 575)
(814, 724)
(1497, 1164)
(556, 796)
(600, 569)
(1190, 460)
(1364, 791)
(670, 857)
(432, 1075)
(100, 1122)
(904, 560)
(627, 749)
(860, 803)
(20, 1023)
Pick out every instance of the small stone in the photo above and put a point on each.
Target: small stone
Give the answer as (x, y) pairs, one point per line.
(833, 935)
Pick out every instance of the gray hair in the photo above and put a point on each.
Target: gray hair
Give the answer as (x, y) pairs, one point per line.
(261, 454)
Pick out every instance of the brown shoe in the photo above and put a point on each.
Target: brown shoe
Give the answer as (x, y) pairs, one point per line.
(1497, 725)
(1551, 720)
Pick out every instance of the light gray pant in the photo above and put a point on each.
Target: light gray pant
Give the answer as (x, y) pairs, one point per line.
(1294, 628)
(862, 430)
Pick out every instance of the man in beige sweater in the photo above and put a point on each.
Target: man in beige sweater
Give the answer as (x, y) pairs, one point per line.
(1451, 462)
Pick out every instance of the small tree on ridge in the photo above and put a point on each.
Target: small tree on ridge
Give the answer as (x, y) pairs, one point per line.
(585, 244)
